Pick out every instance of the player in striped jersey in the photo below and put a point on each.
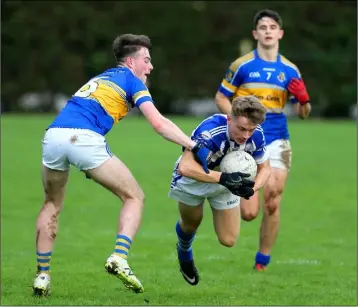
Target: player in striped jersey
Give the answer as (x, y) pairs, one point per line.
(190, 186)
(77, 137)
(273, 79)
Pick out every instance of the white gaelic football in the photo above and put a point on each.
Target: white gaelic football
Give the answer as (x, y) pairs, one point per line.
(239, 161)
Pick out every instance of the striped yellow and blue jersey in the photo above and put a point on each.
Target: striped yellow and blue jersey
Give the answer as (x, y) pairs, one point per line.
(268, 81)
(103, 101)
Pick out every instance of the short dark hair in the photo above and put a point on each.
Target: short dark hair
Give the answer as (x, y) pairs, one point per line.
(249, 107)
(267, 13)
(127, 44)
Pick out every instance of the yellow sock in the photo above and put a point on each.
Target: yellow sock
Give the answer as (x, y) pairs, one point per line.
(123, 244)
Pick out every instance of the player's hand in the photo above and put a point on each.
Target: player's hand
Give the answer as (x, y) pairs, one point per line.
(245, 192)
(297, 88)
(236, 180)
(202, 155)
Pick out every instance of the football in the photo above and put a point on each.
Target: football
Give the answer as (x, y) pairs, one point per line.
(239, 161)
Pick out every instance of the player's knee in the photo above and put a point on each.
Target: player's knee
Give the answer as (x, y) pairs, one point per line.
(272, 200)
(190, 227)
(136, 195)
(141, 196)
(249, 215)
(50, 207)
(272, 207)
(228, 240)
(191, 223)
(273, 192)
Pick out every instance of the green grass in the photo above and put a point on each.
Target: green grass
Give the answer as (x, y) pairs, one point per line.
(313, 262)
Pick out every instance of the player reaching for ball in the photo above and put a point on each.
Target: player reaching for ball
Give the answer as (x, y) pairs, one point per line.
(191, 186)
(77, 137)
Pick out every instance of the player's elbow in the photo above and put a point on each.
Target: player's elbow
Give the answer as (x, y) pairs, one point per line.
(184, 169)
(303, 115)
(303, 111)
(158, 126)
(218, 99)
(223, 103)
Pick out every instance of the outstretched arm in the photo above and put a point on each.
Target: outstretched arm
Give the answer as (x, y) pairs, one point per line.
(167, 129)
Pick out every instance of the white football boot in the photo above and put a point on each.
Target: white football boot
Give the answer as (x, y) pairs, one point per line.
(42, 285)
(119, 267)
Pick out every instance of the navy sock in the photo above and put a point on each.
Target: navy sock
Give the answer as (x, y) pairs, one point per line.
(185, 241)
(262, 258)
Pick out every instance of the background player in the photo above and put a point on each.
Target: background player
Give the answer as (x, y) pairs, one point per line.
(270, 77)
(190, 186)
(76, 137)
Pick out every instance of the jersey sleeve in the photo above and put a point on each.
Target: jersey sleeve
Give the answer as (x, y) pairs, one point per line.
(210, 133)
(202, 134)
(260, 154)
(231, 81)
(139, 93)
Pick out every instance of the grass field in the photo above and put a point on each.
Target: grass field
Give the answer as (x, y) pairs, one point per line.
(314, 261)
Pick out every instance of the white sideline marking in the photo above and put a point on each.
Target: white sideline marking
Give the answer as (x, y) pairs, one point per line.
(299, 262)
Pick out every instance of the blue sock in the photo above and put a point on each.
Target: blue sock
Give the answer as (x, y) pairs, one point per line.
(262, 259)
(185, 241)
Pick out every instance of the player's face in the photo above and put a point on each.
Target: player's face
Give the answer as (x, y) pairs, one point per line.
(141, 64)
(240, 128)
(267, 32)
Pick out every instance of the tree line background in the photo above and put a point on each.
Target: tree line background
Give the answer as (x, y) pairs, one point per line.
(56, 46)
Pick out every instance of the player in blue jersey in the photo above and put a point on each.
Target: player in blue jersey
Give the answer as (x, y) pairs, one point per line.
(191, 186)
(77, 137)
(273, 79)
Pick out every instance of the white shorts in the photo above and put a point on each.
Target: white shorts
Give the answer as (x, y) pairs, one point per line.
(193, 193)
(82, 148)
(280, 154)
